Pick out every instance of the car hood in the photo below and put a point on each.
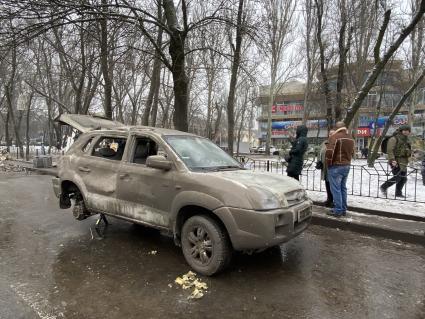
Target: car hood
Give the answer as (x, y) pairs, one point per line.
(271, 181)
(261, 186)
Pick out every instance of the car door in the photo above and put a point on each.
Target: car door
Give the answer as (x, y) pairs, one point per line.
(97, 168)
(145, 194)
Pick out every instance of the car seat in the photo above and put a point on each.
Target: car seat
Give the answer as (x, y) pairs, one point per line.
(141, 152)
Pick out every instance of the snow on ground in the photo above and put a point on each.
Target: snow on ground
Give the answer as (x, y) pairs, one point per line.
(362, 184)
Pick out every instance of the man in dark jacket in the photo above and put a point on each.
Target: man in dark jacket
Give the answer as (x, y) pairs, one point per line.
(339, 153)
(296, 154)
(399, 151)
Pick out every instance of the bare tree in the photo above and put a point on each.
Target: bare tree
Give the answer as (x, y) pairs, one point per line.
(279, 25)
(234, 75)
(396, 110)
(381, 62)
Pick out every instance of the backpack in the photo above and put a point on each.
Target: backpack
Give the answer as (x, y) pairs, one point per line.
(384, 144)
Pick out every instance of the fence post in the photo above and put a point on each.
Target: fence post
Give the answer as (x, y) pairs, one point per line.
(17, 153)
(268, 166)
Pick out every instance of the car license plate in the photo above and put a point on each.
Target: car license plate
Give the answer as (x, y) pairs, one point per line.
(303, 214)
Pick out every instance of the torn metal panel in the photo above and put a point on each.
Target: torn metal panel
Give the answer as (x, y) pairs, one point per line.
(86, 123)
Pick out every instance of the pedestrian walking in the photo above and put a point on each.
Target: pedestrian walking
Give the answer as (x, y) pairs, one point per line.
(339, 152)
(323, 166)
(296, 154)
(399, 151)
(365, 152)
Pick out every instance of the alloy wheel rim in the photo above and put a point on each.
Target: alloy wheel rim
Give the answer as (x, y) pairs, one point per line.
(200, 243)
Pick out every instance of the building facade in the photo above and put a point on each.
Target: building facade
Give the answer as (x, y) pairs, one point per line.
(289, 110)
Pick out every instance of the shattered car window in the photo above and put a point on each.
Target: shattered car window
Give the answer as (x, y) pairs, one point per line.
(200, 153)
(110, 148)
(86, 146)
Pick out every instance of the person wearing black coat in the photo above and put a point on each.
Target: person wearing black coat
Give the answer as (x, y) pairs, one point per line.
(296, 154)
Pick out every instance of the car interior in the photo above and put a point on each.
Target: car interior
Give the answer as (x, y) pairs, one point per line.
(145, 147)
(110, 148)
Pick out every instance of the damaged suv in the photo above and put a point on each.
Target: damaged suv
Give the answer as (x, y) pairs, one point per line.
(181, 183)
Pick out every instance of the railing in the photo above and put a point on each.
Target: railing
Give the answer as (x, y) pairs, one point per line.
(362, 181)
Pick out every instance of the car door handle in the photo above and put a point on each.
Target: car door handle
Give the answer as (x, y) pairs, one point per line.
(122, 176)
(84, 169)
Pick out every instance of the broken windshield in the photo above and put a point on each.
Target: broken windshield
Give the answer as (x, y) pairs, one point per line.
(200, 153)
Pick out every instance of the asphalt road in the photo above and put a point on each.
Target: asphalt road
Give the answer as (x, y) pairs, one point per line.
(52, 267)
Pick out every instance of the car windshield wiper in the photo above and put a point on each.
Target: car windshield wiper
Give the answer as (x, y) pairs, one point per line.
(228, 167)
(206, 169)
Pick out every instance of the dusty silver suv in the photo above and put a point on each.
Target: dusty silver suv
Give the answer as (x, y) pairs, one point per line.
(181, 183)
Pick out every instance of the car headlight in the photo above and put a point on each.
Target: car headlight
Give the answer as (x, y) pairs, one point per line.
(264, 199)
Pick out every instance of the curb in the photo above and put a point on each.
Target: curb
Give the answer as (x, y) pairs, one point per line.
(379, 213)
(395, 233)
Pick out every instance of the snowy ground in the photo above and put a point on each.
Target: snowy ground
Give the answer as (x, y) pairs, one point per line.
(362, 184)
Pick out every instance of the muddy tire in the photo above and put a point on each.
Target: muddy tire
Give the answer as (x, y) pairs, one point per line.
(79, 210)
(205, 245)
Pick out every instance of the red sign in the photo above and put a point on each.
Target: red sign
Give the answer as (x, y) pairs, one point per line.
(363, 132)
(287, 107)
(367, 132)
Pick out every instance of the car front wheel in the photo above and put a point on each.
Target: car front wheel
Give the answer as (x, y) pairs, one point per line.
(205, 245)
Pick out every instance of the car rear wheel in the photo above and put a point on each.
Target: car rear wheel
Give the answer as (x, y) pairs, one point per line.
(205, 245)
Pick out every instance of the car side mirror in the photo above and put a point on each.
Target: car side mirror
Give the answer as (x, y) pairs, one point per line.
(158, 161)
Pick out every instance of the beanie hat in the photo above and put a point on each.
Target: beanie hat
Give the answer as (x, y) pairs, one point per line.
(405, 127)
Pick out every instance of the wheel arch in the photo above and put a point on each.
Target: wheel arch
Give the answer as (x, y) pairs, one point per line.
(68, 187)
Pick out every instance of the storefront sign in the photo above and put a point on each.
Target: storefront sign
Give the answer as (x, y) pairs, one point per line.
(363, 132)
(311, 124)
(287, 107)
(381, 121)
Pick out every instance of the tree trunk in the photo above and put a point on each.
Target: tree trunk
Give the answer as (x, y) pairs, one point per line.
(6, 132)
(269, 111)
(233, 81)
(151, 106)
(104, 63)
(217, 122)
(27, 128)
(177, 53)
(323, 72)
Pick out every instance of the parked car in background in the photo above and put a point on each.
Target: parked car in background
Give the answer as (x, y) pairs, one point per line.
(253, 149)
(181, 183)
(273, 150)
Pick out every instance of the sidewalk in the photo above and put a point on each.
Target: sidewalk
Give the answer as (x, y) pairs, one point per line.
(409, 229)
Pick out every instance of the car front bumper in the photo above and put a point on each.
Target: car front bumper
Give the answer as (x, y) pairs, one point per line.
(250, 229)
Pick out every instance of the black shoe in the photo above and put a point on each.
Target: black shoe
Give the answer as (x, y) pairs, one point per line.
(383, 190)
(400, 195)
(328, 204)
(333, 214)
